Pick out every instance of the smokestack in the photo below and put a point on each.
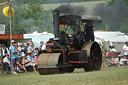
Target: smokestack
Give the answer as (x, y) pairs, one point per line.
(56, 23)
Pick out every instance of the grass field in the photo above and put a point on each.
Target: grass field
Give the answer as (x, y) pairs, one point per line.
(106, 76)
(89, 5)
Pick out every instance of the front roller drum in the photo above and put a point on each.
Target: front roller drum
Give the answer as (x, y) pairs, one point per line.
(47, 63)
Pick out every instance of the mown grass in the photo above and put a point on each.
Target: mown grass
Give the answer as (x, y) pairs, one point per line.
(106, 76)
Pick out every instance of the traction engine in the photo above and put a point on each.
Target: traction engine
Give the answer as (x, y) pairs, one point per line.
(67, 50)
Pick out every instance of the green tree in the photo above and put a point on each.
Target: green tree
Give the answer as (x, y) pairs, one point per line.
(111, 2)
(124, 27)
(124, 24)
(28, 18)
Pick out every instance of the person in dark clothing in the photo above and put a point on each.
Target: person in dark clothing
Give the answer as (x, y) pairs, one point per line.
(5, 50)
(76, 28)
(88, 29)
(25, 48)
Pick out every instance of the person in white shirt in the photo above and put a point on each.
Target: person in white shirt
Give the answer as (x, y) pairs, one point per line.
(7, 63)
(123, 61)
(125, 48)
(19, 52)
(42, 46)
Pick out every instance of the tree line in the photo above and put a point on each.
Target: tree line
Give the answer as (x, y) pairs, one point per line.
(28, 18)
(52, 1)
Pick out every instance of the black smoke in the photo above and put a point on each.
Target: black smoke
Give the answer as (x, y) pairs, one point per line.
(71, 9)
(112, 16)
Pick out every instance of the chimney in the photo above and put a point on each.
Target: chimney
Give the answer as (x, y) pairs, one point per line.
(56, 23)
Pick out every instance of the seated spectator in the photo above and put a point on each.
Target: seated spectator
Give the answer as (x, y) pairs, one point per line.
(116, 60)
(112, 49)
(36, 51)
(23, 62)
(22, 51)
(6, 63)
(35, 58)
(123, 61)
(19, 52)
(20, 60)
(110, 61)
(30, 60)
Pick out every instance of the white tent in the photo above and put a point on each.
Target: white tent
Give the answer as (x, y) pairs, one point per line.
(37, 37)
(115, 38)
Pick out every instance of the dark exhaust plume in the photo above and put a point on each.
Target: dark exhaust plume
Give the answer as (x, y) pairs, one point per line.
(114, 15)
(71, 9)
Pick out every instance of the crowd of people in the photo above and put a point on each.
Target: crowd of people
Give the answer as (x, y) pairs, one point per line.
(113, 58)
(24, 57)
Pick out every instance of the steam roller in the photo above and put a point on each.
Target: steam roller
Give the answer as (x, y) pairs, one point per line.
(69, 50)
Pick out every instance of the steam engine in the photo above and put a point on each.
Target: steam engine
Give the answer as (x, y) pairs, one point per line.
(68, 50)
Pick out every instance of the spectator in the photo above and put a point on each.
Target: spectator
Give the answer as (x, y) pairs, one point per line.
(112, 49)
(30, 60)
(18, 59)
(7, 63)
(25, 48)
(116, 59)
(125, 48)
(36, 52)
(30, 48)
(42, 46)
(110, 61)
(35, 58)
(8, 47)
(14, 55)
(88, 29)
(4, 49)
(20, 50)
(23, 62)
(123, 61)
